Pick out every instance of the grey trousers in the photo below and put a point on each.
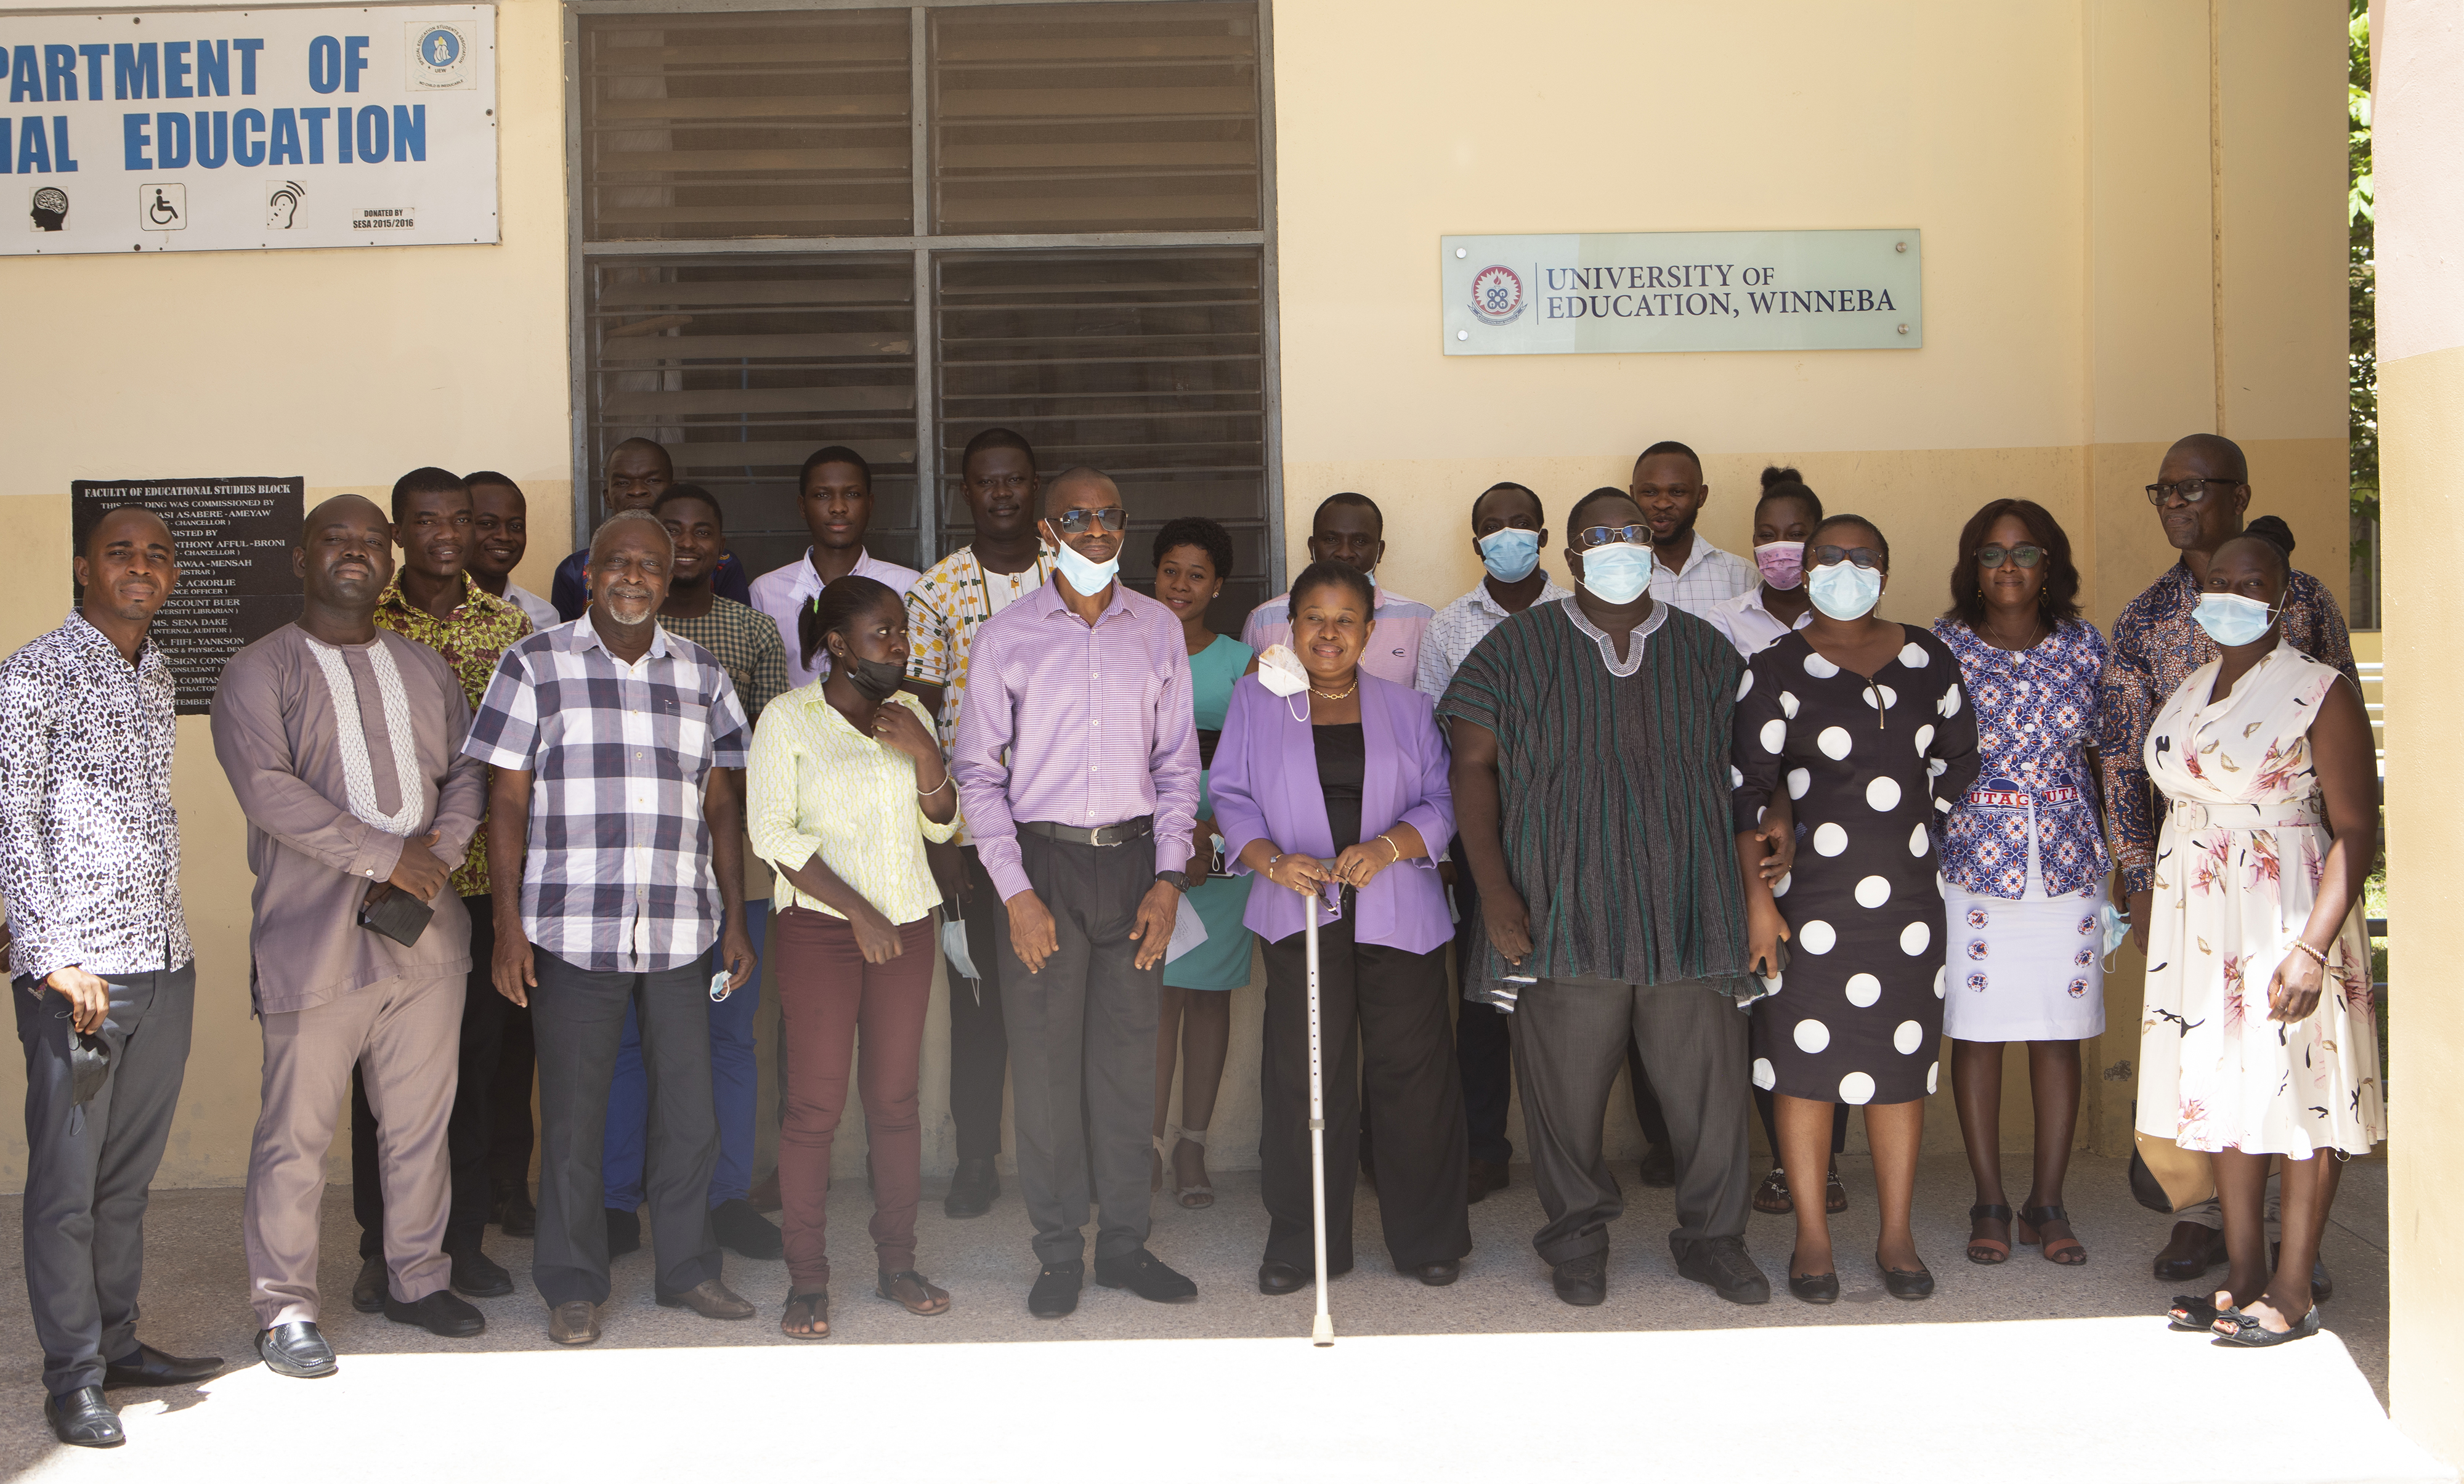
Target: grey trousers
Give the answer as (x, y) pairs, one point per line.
(1570, 1039)
(1082, 1047)
(578, 1022)
(406, 1034)
(88, 1169)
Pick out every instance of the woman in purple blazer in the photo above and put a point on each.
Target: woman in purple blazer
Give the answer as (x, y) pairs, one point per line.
(1338, 787)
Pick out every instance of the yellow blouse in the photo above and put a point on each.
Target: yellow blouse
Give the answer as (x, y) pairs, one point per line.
(817, 784)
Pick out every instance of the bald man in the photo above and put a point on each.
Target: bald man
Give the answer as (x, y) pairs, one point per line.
(639, 472)
(341, 740)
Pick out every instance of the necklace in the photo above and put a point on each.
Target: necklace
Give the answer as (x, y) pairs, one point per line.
(1336, 695)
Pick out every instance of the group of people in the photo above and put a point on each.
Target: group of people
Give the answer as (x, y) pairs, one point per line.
(1703, 816)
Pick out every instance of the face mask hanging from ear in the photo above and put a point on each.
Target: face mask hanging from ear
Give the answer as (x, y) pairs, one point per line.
(1280, 672)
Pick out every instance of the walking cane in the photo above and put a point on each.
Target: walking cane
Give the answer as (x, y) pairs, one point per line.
(1322, 1332)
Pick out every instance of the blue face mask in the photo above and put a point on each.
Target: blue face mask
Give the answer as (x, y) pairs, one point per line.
(1844, 590)
(2231, 619)
(1617, 572)
(1085, 578)
(1510, 553)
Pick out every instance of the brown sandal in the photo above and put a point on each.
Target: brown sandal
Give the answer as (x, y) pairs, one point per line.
(1771, 1197)
(817, 1310)
(908, 1289)
(1988, 1251)
(2067, 1251)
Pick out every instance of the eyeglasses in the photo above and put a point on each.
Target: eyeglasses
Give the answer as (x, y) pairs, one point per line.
(2025, 556)
(1603, 535)
(1082, 520)
(2189, 492)
(1832, 556)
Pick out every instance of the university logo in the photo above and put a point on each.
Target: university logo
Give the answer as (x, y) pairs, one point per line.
(1497, 295)
(438, 57)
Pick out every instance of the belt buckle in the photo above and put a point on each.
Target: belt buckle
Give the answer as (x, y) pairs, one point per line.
(2193, 816)
(1105, 837)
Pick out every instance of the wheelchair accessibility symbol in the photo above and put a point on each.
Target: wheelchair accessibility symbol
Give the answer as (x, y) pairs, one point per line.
(162, 208)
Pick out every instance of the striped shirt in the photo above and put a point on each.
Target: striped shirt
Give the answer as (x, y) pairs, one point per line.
(617, 876)
(1614, 792)
(818, 786)
(1706, 576)
(1393, 652)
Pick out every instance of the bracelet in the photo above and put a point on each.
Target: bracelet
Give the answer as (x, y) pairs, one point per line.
(2305, 945)
(1392, 846)
(925, 793)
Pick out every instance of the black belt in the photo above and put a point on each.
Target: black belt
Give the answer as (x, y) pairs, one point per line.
(1122, 834)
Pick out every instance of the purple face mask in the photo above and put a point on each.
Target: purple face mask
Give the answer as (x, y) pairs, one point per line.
(1782, 563)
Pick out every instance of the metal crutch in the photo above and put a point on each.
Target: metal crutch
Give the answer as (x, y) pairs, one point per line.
(1322, 1332)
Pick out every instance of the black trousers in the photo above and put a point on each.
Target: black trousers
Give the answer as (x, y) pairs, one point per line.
(510, 1116)
(978, 1038)
(467, 1131)
(1383, 1009)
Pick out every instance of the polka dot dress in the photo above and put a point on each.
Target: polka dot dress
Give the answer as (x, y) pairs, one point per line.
(1868, 769)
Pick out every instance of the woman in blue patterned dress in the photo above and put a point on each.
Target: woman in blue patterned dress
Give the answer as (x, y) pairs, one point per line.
(2024, 862)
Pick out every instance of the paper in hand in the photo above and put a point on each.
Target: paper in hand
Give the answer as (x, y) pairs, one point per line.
(1188, 931)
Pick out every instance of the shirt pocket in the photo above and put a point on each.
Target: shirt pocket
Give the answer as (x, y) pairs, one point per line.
(680, 730)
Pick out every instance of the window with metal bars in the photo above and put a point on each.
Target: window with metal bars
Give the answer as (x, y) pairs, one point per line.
(801, 227)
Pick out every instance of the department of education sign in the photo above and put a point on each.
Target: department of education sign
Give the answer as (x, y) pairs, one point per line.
(1609, 293)
(273, 128)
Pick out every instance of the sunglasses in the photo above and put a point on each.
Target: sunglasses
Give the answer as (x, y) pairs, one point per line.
(2025, 556)
(1603, 535)
(1863, 556)
(2189, 492)
(1113, 517)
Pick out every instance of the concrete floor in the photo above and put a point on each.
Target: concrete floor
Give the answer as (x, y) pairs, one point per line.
(196, 1283)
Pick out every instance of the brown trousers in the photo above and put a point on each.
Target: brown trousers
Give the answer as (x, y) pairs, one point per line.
(827, 994)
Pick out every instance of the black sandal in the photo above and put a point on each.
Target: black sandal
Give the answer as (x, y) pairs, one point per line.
(817, 1310)
(2192, 1315)
(1771, 1197)
(1996, 1252)
(1835, 1195)
(2065, 1252)
(2234, 1327)
(929, 1301)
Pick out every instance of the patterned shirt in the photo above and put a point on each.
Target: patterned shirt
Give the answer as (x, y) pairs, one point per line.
(783, 593)
(1393, 652)
(616, 874)
(819, 786)
(1115, 696)
(1708, 576)
(2156, 646)
(2036, 714)
(944, 610)
(89, 842)
(746, 645)
(471, 638)
(1458, 628)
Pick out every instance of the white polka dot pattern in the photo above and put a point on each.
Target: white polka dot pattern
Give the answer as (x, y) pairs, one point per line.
(1799, 780)
(1872, 892)
(1830, 840)
(1863, 989)
(1915, 938)
(1833, 743)
(1764, 1076)
(1883, 795)
(1909, 1038)
(1816, 936)
(1856, 1088)
(1819, 667)
(1812, 1036)
(1774, 736)
(1914, 657)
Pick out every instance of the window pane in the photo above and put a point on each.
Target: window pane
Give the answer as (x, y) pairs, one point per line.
(1096, 118)
(1147, 365)
(743, 365)
(756, 124)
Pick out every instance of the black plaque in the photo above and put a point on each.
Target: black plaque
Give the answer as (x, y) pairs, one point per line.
(234, 538)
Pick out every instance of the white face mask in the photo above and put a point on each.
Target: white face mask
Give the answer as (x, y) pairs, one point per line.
(1085, 578)
(1279, 669)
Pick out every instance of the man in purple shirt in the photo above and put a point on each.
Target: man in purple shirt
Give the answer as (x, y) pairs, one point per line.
(1077, 768)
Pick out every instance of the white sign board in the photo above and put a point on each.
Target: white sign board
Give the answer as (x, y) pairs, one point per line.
(319, 128)
(1605, 293)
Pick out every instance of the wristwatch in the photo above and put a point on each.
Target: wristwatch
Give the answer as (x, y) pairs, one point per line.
(1178, 880)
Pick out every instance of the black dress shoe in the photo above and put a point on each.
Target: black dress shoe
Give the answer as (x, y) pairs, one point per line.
(972, 1188)
(1055, 1293)
(1483, 1177)
(1906, 1283)
(147, 1367)
(515, 1211)
(745, 1231)
(368, 1289)
(1583, 1281)
(476, 1275)
(1723, 1263)
(1814, 1288)
(624, 1232)
(1438, 1274)
(1277, 1278)
(2189, 1252)
(440, 1312)
(84, 1419)
(1659, 1168)
(1144, 1275)
(297, 1349)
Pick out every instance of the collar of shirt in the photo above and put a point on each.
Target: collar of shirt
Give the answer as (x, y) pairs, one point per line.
(98, 644)
(808, 582)
(473, 595)
(585, 635)
(1048, 600)
(1695, 558)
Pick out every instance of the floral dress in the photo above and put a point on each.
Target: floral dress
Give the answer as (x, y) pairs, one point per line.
(2237, 866)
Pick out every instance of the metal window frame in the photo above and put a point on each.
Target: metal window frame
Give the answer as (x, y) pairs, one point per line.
(581, 252)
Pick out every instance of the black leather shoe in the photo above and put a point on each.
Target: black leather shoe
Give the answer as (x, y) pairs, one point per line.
(297, 1349)
(1277, 1279)
(624, 1232)
(440, 1312)
(1144, 1275)
(745, 1231)
(1905, 1283)
(1814, 1288)
(2189, 1252)
(1438, 1274)
(1659, 1169)
(1482, 1177)
(147, 1367)
(973, 1184)
(476, 1275)
(1723, 1263)
(1583, 1281)
(368, 1289)
(515, 1211)
(84, 1419)
(1055, 1293)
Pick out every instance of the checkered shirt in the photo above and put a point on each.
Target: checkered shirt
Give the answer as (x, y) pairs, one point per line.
(1708, 576)
(616, 874)
(746, 644)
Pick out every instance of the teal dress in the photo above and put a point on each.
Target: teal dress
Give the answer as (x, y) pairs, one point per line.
(1223, 961)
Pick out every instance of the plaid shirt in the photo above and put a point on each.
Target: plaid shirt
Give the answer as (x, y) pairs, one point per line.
(746, 644)
(471, 638)
(1708, 576)
(617, 875)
